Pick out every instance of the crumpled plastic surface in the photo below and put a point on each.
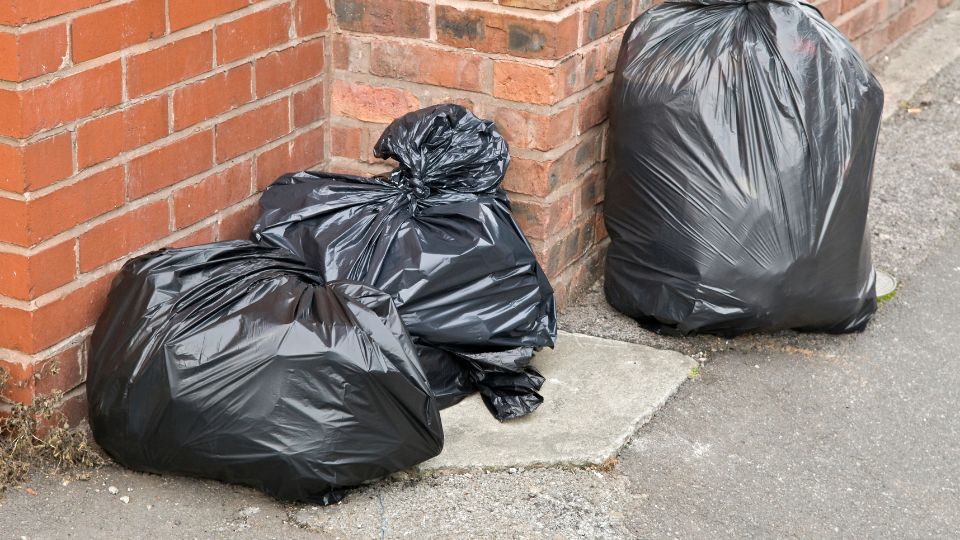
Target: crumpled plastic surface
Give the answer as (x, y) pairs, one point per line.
(436, 234)
(742, 140)
(235, 362)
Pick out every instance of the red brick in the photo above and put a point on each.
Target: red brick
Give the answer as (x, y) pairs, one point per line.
(543, 177)
(591, 191)
(441, 97)
(898, 25)
(11, 169)
(371, 103)
(310, 16)
(27, 223)
(99, 139)
(73, 409)
(551, 131)
(170, 164)
(17, 12)
(108, 30)
(184, 13)
(849, 5)
(427, 65)
(237, 223)
(857, 22)
(544, 5)
(14, 222)
(59, 318)
(570, 246)
(541, 221)
(371, 134)
(203, 235)
(303, 152)
(604, 17)
(9, 56)
(283, 69)
(308, 106)
(32, 53)
(497, 32)
(593, 108)
(209, 97)
(922, 10)
(530, 177)
(61, 372)
(44, 106)
(124, 234)
(524, 129)
(215, 192)
(105, 137)
(830, 9)
(527, 83)
(20, 387)
(172, 63)
(592, 63)
(350, 54)
(36, 165)
(306, 149)
(15, 332)
(75, 204)
(271, 164)
(145, 122)
(48, 161)
(254, 33)
(252, 129)
(67, 315)
(579, 278)
(405, 18)
(612, 51)
(345, 141)
(26, 277)
(11, 113)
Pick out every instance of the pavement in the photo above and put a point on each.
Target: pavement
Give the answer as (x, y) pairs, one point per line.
(775, 435)
(586, 378)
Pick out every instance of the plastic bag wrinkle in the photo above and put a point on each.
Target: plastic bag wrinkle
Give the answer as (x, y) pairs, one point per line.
(742, 140)
(438, 235)
(236, 362)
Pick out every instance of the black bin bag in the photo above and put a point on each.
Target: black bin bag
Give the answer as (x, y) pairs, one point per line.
(235, 362)
(437, 235)
(741, 151)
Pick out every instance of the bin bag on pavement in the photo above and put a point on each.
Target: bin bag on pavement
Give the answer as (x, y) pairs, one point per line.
(437, 234)
(235, 362)
(742, 141)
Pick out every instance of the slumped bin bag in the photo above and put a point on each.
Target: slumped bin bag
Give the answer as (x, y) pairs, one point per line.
(741, 147)
(235, 362)
(437, 234)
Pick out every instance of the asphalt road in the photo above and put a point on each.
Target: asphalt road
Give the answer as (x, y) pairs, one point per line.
(785, 435)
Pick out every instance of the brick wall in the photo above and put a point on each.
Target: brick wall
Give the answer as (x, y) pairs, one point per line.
(540, 68)
(872, 25)
(128, 125)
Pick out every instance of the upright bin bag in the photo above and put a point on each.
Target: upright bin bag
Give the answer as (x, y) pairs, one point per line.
(741, 150)
(437, 235)
(235, 362)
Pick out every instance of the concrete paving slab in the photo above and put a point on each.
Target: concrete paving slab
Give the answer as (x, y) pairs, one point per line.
(597, 393)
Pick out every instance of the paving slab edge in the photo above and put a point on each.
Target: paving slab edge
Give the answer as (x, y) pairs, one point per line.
(599, 460)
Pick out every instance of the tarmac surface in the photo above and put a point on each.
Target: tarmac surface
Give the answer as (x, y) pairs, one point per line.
(778, 435)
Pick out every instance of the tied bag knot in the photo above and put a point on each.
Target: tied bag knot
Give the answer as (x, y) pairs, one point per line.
(444, 149)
